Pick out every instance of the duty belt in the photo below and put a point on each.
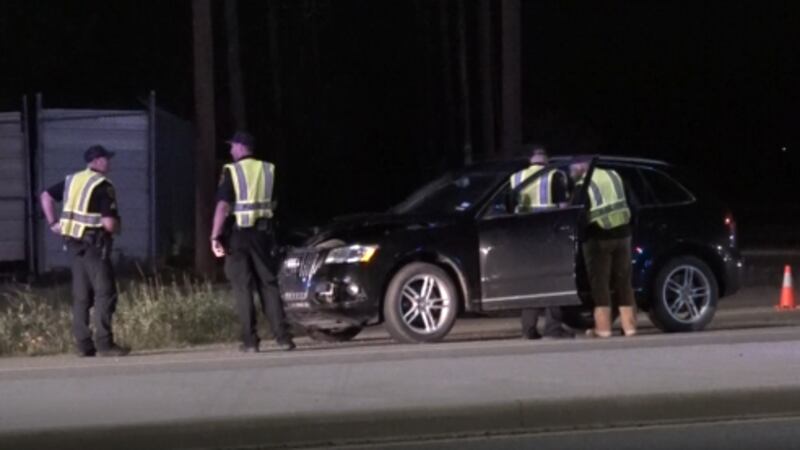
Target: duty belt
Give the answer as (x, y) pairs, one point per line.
(262, 224)
(92, 237)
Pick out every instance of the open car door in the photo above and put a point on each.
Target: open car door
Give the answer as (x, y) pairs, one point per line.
(528, 257)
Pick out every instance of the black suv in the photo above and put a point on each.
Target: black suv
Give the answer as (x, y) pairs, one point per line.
(460, 244)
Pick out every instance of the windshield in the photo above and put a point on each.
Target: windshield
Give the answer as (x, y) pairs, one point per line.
(450, 194)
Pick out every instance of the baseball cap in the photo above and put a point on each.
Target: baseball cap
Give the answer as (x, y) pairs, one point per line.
(96, 151)
(242, 137)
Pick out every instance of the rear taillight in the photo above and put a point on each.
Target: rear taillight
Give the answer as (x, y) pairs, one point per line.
(730, 227)
(730, 222)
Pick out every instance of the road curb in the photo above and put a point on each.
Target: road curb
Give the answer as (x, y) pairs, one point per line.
(373, 426)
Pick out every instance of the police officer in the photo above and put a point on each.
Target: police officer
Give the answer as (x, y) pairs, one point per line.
(88, 220)
(607, 247)
(547, 191)
(246, 190)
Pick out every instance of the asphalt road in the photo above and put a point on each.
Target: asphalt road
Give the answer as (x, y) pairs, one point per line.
(763, 434)
(484, 380)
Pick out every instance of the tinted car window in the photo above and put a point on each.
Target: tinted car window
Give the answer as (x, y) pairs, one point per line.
(693, 182)
(635, 185)
(451, 194)
(507, 200)
(665, 189)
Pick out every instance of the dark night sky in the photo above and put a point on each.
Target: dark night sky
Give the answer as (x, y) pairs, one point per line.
(710, 85)
(686, 81)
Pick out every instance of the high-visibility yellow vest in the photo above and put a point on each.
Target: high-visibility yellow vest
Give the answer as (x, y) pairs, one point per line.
(75, 215)
(537, 194)
(252, 182)
(608, 208)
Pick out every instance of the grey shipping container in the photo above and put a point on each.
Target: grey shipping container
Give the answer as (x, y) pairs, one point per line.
(152, 172)
(14, 189)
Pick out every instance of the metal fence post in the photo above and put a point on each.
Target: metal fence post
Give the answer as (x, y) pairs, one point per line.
(151, 168)
(30, 213)
(38, 167)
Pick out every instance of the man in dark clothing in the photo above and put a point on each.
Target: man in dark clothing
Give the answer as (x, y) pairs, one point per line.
(88, 220)
(246, 190)
(533, 194)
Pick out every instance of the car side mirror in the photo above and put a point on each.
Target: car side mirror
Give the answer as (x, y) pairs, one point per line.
(498, 209)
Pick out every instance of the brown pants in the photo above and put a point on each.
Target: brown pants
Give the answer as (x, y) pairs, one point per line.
(608, 265)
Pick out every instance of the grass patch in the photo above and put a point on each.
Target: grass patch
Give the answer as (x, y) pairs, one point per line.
(33, 324)
(151, 313)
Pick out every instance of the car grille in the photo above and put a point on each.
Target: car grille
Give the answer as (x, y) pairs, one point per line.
(307, 263)
(310, 264)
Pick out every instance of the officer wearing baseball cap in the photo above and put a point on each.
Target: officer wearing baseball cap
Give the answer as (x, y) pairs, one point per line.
(88, 220)
(244, 138)
(96, 151)
(245, 190)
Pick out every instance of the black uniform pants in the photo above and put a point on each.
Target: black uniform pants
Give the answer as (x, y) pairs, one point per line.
(553, 323)
(93, 285)
(248, 266)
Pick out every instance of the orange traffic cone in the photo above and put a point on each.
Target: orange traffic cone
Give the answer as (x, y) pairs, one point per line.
(787, 293)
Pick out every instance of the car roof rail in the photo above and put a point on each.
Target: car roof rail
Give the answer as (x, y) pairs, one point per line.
(615, 159)
(496, 163)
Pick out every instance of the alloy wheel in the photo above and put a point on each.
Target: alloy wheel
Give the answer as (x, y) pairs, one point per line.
(687, 293)
(425, 304)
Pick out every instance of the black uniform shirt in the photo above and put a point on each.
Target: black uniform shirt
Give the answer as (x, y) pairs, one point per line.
(225, 191)
(103, 200)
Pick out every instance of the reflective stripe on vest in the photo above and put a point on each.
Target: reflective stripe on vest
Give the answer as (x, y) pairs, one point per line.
(252, 182)
(75, 215)
(609, 209)
(537, 194)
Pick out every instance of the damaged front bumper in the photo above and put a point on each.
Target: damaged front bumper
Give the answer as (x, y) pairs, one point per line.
(320, 295)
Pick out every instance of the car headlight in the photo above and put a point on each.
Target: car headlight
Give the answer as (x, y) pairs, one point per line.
(291, 263)
(351, 254)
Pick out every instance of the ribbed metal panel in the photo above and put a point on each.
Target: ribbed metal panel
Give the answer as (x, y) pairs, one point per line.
(64, 134)
(13, 188)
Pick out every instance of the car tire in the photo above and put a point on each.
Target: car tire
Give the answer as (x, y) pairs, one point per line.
(421, 304)
(684, 295)
(339, 335)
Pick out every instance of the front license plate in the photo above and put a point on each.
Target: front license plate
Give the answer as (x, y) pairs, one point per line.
(294, 296)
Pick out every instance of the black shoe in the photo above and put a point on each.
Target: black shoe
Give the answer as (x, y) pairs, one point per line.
(286, 345)
(114, 351)
(86, 353)
(531, 335)
(248, 348)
